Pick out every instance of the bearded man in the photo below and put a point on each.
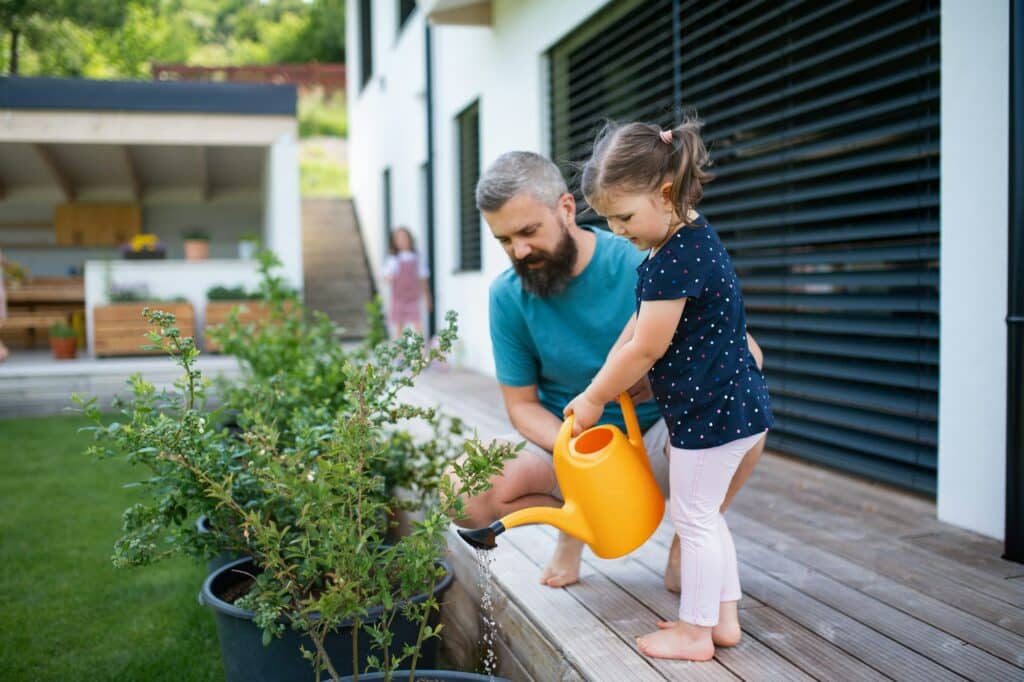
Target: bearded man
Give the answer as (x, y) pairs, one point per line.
(554, 316)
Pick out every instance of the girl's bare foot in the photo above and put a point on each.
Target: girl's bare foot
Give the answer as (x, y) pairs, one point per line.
(564, 567)
(673, 581)
(726, 633)
(679, 640)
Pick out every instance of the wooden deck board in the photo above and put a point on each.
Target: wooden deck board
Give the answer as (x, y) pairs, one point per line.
(857, 544)
(981, 633)
(619, 609)
(843, 579)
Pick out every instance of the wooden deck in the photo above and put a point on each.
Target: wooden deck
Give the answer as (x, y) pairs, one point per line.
(843, 580)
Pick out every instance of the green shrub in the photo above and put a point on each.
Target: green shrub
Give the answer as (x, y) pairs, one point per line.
(305, 489)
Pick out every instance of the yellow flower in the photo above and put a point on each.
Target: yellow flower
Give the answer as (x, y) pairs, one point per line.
(145, 242)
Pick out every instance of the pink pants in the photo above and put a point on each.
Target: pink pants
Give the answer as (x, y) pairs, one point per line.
(699, 480)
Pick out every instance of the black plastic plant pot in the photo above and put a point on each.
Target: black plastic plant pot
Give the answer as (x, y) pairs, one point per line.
(203, 526)
(425, 676)
(247, 660)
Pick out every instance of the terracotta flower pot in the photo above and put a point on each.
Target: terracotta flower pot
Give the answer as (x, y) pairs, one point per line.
(64, 348)
(197, 249)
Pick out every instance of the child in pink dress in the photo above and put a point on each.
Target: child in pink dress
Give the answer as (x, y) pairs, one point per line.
(409, 279)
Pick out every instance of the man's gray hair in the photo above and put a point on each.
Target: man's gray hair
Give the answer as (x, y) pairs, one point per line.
(516, 172)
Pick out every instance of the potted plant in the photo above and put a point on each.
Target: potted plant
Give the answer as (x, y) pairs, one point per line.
(197, 245)
(63, 341)
(302, 493)
(248, 245)
(143, 247)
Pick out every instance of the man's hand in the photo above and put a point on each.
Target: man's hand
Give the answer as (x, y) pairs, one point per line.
(585, 410)
(641, 392)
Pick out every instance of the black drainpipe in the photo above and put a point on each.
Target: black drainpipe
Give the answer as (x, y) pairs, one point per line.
(429, 61)
(1015, 316)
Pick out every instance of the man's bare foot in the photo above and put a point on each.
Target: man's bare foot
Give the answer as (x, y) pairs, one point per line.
(673, 580)
(564, 567)
(726, 633)
(679, 640)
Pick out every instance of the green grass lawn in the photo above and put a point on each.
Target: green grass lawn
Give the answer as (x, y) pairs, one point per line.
(320, 176)
(68, 613)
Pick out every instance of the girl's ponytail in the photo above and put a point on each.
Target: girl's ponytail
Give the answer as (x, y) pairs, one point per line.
(692, 161)
(642, 156)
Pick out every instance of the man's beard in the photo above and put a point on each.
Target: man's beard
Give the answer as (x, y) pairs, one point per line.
(555, 273)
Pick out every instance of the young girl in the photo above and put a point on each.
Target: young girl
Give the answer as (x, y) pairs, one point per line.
(689, 336)
(408, 276)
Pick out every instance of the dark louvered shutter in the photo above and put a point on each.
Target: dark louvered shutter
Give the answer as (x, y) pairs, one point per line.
(468, 123)
(823, 125)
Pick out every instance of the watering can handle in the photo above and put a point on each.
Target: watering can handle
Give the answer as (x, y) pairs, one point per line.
(636, 437)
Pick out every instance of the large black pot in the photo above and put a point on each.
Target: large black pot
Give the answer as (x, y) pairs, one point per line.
(247, 660)
(425, 676)
(203, 526)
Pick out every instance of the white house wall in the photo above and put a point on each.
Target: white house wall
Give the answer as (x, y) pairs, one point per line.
(504, 66)
(974, 171)
(282, 214)
(387, 123)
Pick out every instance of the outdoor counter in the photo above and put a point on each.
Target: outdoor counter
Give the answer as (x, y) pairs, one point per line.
(166, 280)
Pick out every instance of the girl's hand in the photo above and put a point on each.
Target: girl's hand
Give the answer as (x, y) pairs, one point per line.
(586, 411)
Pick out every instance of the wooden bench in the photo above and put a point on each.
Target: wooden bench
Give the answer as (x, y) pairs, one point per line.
(843, 579)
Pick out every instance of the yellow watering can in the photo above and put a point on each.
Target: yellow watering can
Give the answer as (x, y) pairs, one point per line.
(612, 501)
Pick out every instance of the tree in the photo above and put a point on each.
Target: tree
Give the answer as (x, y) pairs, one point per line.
(19, 17)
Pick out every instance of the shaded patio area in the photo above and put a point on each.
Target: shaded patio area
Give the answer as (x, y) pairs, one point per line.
(842, 578)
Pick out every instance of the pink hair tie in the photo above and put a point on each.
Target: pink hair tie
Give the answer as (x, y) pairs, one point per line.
(666, 136)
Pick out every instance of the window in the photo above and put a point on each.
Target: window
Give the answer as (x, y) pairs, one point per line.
(365, 42)
(468, 124)
(385, 197)
(405, 10)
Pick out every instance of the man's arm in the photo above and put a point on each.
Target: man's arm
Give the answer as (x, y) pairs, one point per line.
(530, 417)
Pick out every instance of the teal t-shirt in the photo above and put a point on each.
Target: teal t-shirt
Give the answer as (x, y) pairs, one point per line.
(559, 343)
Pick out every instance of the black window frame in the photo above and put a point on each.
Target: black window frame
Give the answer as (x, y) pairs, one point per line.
(365, 42)
(385, 197)
(404, 9)
(470, 248)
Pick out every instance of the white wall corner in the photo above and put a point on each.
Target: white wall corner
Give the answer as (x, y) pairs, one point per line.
(282, 216)
(973, 257)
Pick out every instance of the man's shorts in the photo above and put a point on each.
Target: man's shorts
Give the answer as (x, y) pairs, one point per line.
(656, 441)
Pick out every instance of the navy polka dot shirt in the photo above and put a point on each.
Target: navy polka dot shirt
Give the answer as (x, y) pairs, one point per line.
(707, 384)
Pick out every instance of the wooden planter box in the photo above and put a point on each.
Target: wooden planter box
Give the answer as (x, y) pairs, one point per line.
(217, 314)
(120, 328)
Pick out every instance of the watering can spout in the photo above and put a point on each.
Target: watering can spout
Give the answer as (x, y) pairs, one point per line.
(483, 538)
(568, 519)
